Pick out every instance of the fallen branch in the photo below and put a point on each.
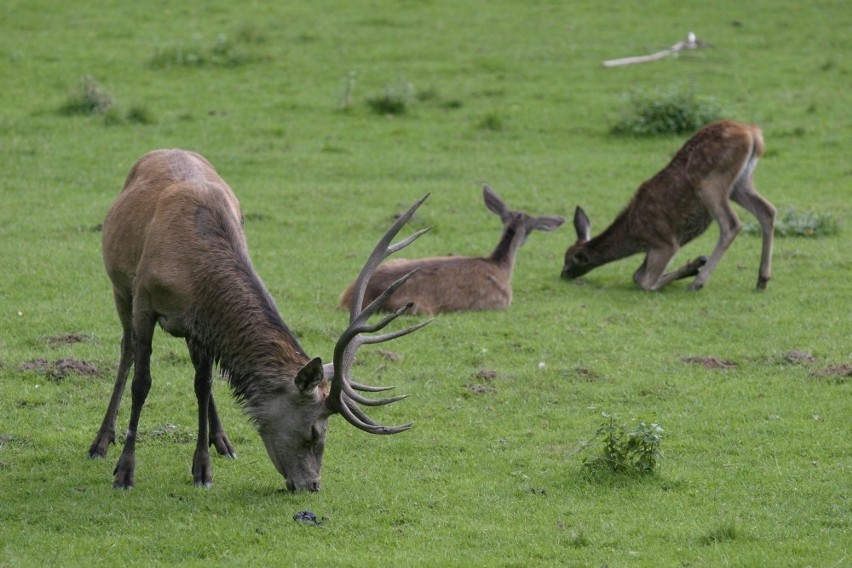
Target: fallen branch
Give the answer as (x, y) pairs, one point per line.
(690, 43)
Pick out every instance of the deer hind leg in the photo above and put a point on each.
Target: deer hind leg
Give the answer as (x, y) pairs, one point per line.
(714, 196)
(745, 195)
(106, 433)
(202, 471)
(143, 331)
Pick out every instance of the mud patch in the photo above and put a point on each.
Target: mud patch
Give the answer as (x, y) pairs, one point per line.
(797, 357)
(485, 377)
(710, 362)
(583, 374)
(61, 368)
(836, 373)
(68, 339)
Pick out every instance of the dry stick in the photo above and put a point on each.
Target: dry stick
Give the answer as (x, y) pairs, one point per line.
(690, 43)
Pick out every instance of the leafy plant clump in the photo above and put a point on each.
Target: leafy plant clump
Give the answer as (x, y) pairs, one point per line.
(809, 224)
(676, 111)
(87, 97)
(621, 451)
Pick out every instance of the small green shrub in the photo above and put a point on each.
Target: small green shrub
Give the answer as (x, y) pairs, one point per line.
(394, 100)
(809, 224)
(676, 111)
(87, 97)
(623, 451)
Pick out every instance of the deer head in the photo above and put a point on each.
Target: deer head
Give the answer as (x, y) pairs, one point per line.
(293, 424)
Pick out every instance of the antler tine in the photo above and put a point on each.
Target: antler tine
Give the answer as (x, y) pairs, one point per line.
(357, 418)
(382, 250)
(342, 397)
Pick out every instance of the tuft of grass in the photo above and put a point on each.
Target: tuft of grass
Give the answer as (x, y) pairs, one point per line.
(492, 121)
(397, 98)
(808, 224)
(87, 97)
(725, 532)
(623, 451)
(677, 110)
(222, 53)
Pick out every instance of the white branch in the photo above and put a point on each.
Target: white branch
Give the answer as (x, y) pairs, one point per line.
(690, 43)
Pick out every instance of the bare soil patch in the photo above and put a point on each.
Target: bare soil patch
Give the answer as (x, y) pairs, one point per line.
(61, 368)
(710, 362)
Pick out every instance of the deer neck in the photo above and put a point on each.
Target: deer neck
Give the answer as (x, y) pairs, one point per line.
(506, 250)
(614, 243)
(236, 320)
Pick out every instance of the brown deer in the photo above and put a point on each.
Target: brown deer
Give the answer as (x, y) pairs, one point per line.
(175, 251)
(458, 283)
(715, 166)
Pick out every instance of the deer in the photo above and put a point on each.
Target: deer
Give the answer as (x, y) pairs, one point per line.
(458, 283)
(713, 168)
(175, 251)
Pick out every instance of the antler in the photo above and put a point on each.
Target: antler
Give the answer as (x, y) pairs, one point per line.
(342, 398)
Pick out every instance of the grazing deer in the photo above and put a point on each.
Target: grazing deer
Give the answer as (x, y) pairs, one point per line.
(175, 251)
(458, 283)
(715, 166)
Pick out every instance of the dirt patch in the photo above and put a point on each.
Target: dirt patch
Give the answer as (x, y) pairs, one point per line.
(710, 362)
(61, 368)
(797, 357)
(837, 373)
(68, 339)
(479, 388)
(586, 375)
(486, 374)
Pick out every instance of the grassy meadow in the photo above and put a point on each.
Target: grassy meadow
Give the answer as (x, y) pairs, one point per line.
(327, 119)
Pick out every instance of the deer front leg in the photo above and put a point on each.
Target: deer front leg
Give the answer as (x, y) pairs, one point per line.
(218, 438)
(650, 276)
(106, 433)
(125, 469)
(202, 472)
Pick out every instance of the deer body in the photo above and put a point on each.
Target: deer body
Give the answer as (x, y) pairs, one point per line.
(176, 254)
(712, 168)
(459, 283)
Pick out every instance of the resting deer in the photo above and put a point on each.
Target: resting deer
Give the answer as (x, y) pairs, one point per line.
(175, 251)
(458, 283)
(715, 166)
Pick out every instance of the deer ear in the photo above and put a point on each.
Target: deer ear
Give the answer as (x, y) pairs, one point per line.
(548, 223)
(310, 376)
(582, 225)
(493, 201)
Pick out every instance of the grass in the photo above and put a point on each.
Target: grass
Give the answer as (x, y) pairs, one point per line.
(757, 456)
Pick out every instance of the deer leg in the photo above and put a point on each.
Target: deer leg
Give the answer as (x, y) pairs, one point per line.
(729, 226)
(143, 324)
(650, 276)
(106, 433)
(218, 438)
(745, 195)
(202, 472)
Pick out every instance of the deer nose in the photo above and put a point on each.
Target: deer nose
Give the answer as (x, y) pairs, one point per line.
(312, 486)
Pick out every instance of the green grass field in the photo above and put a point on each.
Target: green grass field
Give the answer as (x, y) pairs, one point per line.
(752, 389)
